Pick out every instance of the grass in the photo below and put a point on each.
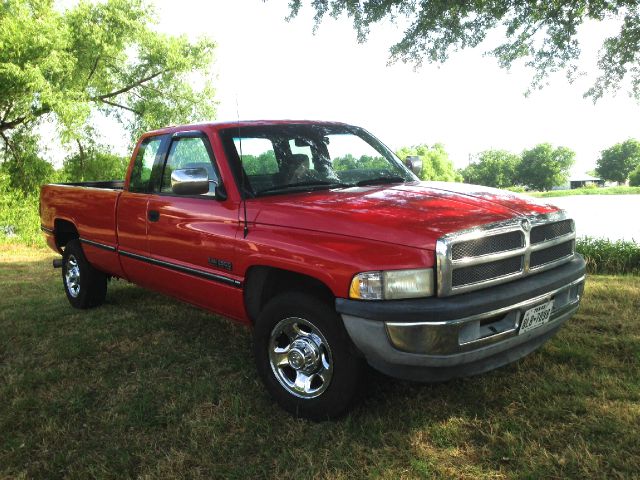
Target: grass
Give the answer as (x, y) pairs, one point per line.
(587, 191)
(148, 387)
(609, 257)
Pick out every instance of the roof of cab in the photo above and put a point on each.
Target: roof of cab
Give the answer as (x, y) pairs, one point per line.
(220, 125)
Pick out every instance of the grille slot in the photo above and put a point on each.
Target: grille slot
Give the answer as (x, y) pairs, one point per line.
(551, 254)
(486, 245)
(550, 231)
(503, 251)
(486, 271)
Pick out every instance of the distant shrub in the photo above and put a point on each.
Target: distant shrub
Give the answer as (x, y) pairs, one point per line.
(517, 189)
(634, 177)
(610, 257)
(588, 191)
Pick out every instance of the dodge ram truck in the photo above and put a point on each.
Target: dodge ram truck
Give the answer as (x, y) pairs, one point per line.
(318, 237)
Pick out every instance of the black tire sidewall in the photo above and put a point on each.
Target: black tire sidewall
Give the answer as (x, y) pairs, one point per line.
(347, 368)
(92, 282)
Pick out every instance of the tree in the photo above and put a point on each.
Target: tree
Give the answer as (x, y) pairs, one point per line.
(95, 57)
(93, 165)
(263, 164)
(543, 34)
(347, 162)
(544, 167)
(435, 162)
(617, 162)
(634, 177)
(493, 168)
(26, 170)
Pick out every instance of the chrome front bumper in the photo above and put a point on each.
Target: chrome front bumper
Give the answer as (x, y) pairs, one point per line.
(466, 334)
(434, 350)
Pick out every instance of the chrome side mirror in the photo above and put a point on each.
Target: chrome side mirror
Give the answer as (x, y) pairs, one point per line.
(190, 181)
(414, 163)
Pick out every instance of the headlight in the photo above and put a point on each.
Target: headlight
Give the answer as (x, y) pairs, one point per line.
(392, 284)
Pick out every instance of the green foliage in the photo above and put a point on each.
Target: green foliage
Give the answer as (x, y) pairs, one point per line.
(544, 167)
(103, 55)
(435, 162)
(25, 169)
(587, 191)
(19, 217)
(542, 34)
(365, 162)
(64, 64)
(263, 164)
(493, 168)
(607, 257)
(94, 165)
(634, 177)
(617, 162)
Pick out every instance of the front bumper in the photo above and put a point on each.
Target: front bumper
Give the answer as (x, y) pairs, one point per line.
(436, 339)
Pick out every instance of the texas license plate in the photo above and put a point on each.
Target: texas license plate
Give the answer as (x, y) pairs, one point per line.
(536, 317)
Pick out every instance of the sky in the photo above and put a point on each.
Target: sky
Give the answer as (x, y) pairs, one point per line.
(268, 68)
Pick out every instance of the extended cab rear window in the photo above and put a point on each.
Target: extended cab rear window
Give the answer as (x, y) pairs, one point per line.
(143, 165)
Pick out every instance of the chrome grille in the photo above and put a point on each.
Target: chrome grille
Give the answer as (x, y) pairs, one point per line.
(551, 231)
(486, 245)
(551, 254)
(504, 251)
(486, 271)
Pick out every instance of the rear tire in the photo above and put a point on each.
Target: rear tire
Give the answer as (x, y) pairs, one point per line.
(305, 358)
(85, 286)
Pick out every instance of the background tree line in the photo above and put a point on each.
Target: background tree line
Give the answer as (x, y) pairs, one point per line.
(544, 167)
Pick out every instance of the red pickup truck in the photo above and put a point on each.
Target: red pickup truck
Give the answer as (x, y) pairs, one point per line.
(321, 239)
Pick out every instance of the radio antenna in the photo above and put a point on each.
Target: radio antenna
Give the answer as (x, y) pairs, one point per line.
(243, 192)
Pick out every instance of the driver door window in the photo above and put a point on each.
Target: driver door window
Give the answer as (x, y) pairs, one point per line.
(188, 152)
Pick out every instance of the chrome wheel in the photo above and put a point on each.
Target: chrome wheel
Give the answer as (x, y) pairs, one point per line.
(72, 276)
(300, 357)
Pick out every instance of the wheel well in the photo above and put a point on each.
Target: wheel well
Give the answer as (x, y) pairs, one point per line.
(264, 283)
(64, 231)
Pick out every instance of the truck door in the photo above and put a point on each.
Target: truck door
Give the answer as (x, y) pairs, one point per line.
(132, 206)
(192, 237)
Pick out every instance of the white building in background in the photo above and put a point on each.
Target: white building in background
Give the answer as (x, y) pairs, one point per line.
(579, 180)
(585, 180)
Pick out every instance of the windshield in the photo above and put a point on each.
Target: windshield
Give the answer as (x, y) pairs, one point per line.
(301, 157)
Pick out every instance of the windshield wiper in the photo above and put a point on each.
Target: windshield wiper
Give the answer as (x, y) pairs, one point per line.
(309, 185)
(381, 180)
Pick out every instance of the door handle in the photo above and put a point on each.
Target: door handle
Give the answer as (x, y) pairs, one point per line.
(153, 215)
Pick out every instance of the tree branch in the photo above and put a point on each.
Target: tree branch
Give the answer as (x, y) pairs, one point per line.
(7, 112)
(93, 70)
(24, 119)
(113, 104)
(12, 124)
(128, 87)
(157, 90)
(6, 141)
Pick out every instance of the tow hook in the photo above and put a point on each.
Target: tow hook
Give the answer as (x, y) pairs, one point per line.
(57, 263)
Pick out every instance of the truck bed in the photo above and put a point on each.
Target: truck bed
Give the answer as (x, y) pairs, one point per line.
(89, 206)
(110, 184)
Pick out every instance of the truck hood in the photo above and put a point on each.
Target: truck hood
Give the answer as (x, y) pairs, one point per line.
(413, 214)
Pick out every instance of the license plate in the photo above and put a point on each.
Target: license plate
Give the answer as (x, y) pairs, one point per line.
(536, 317)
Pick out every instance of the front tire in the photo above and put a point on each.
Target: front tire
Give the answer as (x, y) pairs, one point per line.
(85, 286)
(305, 358)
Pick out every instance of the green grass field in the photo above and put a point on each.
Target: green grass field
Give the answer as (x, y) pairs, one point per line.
(148, 387)
(587, 191)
